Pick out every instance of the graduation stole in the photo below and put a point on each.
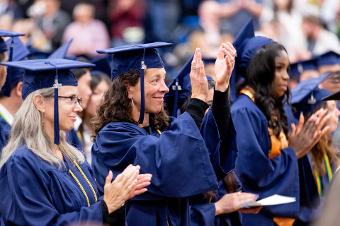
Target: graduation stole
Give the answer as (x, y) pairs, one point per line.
(318, 178)
(277, 144)
(81, 186)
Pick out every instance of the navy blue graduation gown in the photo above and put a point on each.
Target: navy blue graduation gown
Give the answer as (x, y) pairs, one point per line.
(309, 197)
(5, 130)
(222, 156)
(178, 159)
(258, 173)
(34, 192)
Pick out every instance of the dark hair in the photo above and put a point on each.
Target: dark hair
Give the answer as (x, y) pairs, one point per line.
(117, 107)
(97, 77)
(312, 19)
(289, 7)
(2, 56)
(260, 75)
(79, 72)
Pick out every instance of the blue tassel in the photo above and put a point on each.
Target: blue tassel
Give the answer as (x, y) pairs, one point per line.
(142, 98)
(56, 117)
(175, 110)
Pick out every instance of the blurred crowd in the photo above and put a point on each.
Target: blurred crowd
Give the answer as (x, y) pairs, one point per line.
(305, 27)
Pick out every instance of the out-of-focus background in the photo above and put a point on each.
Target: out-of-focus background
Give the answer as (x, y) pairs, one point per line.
(304, 27)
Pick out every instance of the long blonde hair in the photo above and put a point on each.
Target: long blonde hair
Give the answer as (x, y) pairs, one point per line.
(28, 130)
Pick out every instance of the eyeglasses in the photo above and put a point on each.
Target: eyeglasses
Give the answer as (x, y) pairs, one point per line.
(72, 99)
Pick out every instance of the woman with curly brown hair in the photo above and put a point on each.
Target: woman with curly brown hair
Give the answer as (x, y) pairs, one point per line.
(132, 127)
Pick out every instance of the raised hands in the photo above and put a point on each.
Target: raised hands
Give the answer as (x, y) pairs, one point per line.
(224, 65)
(125, 186)
(305, 135)
(199, 83)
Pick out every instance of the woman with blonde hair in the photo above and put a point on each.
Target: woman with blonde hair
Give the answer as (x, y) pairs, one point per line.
(317, 169)
(46, 181)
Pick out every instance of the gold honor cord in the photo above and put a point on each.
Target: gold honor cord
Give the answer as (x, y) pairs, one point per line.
(81, 186)
(87, 181)
(318, 177)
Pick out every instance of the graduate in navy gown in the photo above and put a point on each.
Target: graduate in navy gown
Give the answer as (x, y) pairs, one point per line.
(330, 212)
(44, 180)
(10, 95)
(267, 157)
(216, 129)
(5, 52)
(316, 168)
(132, 128)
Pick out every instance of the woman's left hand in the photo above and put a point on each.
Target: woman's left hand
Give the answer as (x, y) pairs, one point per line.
(224, 65)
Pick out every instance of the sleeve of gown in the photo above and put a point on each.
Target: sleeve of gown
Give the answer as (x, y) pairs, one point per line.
(219, 135)
(202, 214)
(178, 159)
(31, 204)
(257, 172)
(5, 131)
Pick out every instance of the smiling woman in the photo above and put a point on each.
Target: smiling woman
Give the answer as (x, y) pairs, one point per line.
(45, 180)
(132, 127)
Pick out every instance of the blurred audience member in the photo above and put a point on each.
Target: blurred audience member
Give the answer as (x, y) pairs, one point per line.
(53, 22)
(88, 33)
(34, 37)
(286, 21)
(161, 19)
(126, 20)
(237, 13)
(6, 22)
(319, 40)
(12, 8)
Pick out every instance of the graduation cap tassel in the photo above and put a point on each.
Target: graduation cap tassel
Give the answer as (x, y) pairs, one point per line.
(142, 105)
(175, 112)
(11, 50)
(142, 98)
(56, 86)
(56, 115)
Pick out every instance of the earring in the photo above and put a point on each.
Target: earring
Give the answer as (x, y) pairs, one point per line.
(42, 119)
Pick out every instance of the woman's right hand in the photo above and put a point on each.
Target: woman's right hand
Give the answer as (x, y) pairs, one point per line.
(199, 83)
(233, 202)
(305, 135)
(117, 192)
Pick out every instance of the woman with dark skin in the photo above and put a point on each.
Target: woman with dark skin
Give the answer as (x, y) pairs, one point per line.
(267, 157)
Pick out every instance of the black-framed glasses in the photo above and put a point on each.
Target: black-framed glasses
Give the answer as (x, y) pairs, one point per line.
(72, 99)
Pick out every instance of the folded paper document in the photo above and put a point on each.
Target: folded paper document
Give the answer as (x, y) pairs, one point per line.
(271, 200)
